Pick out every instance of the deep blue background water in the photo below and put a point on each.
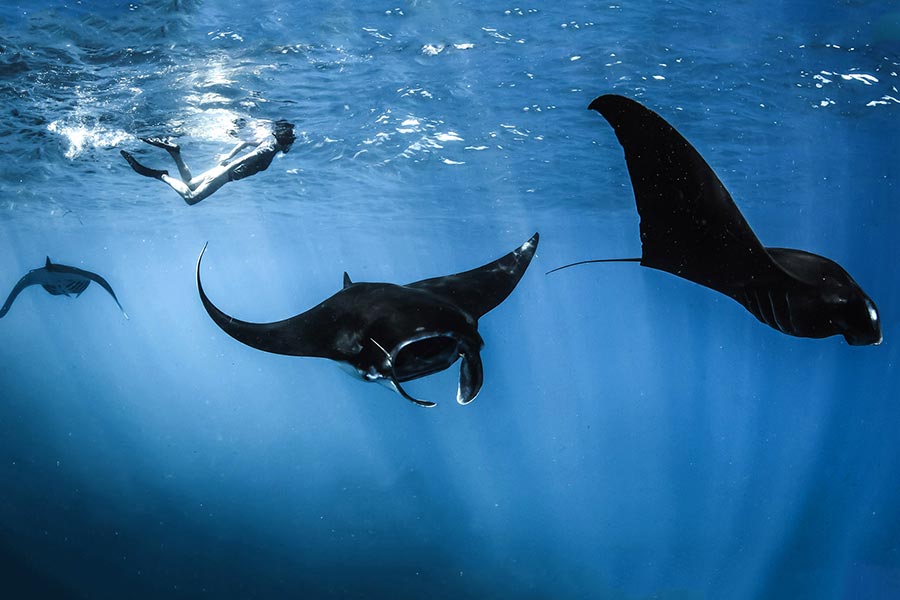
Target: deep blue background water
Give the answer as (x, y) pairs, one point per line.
(637, 436)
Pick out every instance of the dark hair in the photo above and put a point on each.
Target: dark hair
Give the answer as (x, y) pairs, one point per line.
(284, 134)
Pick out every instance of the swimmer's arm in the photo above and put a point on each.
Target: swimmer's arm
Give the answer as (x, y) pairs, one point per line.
(225, 158)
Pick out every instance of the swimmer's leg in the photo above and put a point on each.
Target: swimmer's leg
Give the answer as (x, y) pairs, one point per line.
(141, 169)
(183, 169)
(174, 151)
(204, 190)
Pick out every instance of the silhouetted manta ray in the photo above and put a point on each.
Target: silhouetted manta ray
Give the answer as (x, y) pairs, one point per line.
(393, 333)
(691, 228)
(59, 280)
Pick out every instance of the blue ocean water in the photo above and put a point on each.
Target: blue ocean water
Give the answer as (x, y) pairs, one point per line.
(637, 436)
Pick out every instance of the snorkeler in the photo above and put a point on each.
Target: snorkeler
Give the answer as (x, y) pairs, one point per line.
(195, 189)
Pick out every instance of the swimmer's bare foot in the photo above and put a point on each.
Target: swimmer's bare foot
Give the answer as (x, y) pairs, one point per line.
(162, 142)
(141, 169)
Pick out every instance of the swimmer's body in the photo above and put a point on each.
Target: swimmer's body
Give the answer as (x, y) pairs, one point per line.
(194, 189)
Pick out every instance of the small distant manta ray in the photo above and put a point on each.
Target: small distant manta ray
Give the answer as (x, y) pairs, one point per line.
(59, 280)
(691, 228)
(393, 333)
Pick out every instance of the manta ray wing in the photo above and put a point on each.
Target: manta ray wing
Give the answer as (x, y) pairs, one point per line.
(690, 226)
(312, 333)
(82, 281)
(31, 278)
(480, 290)
(105, 285)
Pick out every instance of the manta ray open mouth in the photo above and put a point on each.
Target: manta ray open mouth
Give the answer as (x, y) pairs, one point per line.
(424, 356)
(431, 353)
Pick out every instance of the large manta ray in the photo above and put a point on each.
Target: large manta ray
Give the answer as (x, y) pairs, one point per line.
(691, 228)
(59, 280)
(393, 333)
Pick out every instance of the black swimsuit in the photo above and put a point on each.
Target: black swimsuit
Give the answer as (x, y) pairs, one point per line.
(258, 160)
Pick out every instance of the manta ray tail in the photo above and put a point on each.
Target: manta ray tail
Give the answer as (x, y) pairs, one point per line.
(599, 260)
